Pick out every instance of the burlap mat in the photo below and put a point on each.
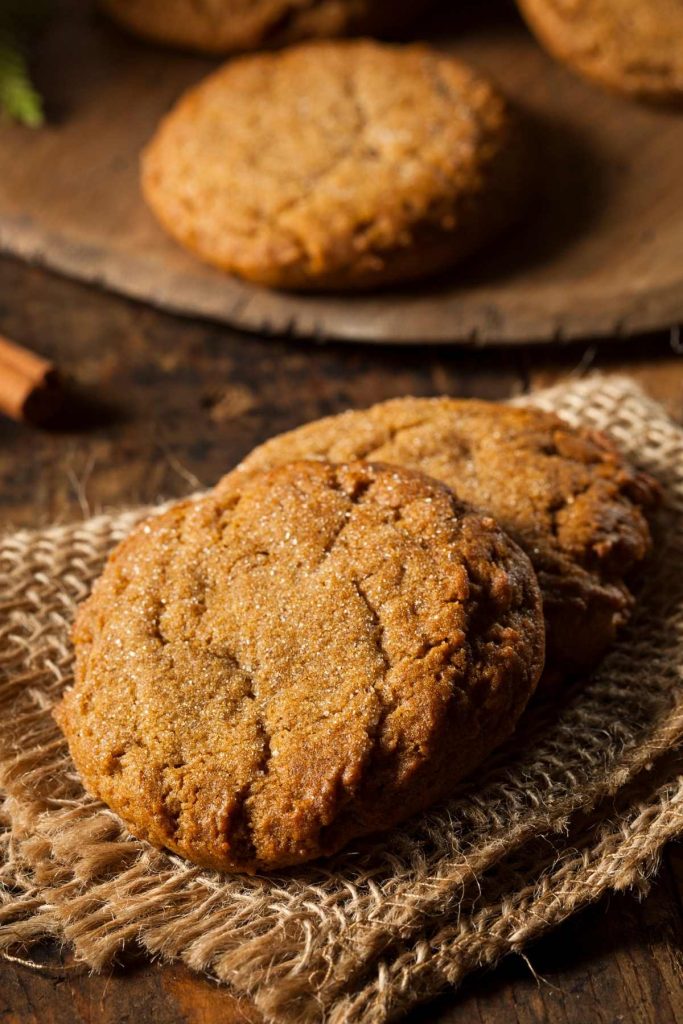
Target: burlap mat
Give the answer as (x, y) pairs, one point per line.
(580, 801)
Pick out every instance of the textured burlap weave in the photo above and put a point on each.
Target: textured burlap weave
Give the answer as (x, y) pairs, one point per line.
(580, 801)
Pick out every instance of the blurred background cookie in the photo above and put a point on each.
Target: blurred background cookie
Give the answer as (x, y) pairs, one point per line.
(224, 26)
(337, 165)
(633, 46)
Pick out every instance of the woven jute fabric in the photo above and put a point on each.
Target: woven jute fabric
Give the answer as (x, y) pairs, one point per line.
(581, 800)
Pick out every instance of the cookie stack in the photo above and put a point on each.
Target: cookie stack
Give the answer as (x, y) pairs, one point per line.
(347, 624)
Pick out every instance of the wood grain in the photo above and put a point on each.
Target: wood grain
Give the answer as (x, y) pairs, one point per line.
(163, 404)
(598, 254)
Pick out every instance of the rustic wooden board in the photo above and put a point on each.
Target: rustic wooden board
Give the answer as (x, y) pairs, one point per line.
(601, 252)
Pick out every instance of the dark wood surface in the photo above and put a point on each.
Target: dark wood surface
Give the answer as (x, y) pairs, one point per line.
(166, 405)
(598, 252)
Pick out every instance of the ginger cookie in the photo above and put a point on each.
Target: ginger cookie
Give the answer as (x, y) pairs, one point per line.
(227, 26)
(632, 46)
(566, 496)
(338, 165)
(311, 654)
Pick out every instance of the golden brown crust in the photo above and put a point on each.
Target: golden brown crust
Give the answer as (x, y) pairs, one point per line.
(342, 165)
(228, 26)
(566, 496)
(312, 654)
(632, 46)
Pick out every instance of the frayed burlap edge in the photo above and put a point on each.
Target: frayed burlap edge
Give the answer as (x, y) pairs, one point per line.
(615, 848)
(362, 937)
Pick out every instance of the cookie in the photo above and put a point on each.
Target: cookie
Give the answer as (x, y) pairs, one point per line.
(226, 26)
(632, 46)
(307, 656)
(566, 496)
(337, 165)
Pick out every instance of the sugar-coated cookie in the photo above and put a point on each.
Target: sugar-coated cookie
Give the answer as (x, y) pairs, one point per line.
(308, 655)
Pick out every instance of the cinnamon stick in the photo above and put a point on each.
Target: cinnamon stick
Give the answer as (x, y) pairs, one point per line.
(30, 387)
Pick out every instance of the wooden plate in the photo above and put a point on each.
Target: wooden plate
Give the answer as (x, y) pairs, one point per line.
(601, 252)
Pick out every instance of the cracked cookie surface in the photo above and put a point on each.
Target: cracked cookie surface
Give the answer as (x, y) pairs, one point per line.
(306, 656)
(633, 46)
(566, 496)
(224, 26)
(339, 165)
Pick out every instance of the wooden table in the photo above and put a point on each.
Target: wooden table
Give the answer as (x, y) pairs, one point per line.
(171, 404)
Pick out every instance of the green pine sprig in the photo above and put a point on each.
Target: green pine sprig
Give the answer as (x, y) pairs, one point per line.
(19, 98)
